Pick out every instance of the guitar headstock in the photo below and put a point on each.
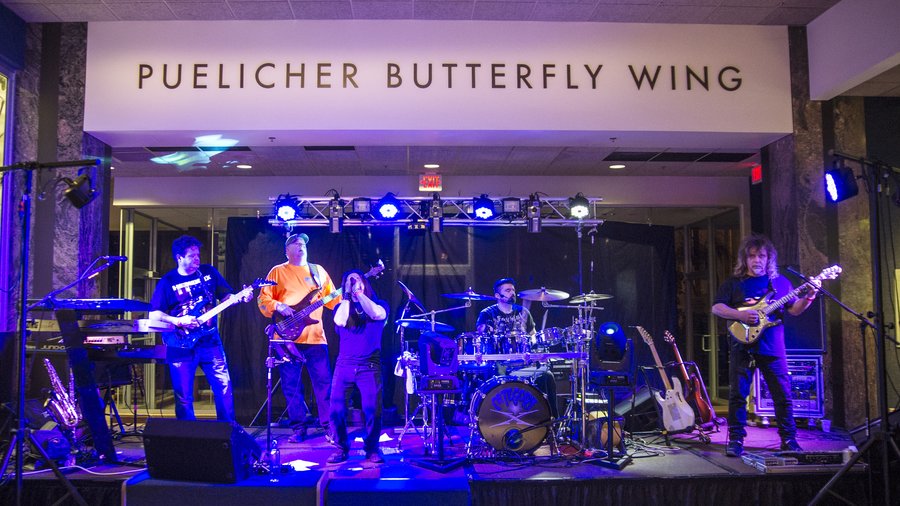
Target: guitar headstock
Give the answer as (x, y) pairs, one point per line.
(258, 282)
(376, 271)
(668, 337)
(830, 272)
(644, 334)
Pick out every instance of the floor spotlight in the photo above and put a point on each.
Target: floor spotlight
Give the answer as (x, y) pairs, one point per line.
(287, 207)
(840, 183)
(483, 207)
(388, 207)
(336, 215)
(610, 342)
(533, 213)
(579, 207)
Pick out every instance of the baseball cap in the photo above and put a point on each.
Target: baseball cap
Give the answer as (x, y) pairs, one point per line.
(295, 238)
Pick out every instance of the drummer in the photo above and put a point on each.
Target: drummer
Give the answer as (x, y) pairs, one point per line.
(505, 317)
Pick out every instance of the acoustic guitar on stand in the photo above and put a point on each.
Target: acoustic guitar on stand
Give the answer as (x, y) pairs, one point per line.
(696, 392)
(677, 414)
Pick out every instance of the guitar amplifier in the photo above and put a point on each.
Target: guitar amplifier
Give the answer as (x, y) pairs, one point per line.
(806, 388)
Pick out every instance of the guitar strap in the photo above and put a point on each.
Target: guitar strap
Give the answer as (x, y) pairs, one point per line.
(314, 272)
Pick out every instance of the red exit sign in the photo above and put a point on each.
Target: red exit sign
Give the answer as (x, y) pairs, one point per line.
(430, 183)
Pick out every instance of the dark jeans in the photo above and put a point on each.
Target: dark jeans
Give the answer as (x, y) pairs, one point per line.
(367, 378)
(775, 371)
(183, 367)
(316, 361)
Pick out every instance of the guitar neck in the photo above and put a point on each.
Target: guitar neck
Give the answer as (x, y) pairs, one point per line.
(321, 302)
(684, 372)
(234, 299)
(777, 304)
(659, 367)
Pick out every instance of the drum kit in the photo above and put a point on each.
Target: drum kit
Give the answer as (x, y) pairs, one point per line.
(506, 412)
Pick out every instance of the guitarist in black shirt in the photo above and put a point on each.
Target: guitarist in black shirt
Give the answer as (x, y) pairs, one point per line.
(180, 298)
(755, 275)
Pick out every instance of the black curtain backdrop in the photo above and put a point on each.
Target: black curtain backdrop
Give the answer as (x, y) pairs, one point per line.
(634, 263)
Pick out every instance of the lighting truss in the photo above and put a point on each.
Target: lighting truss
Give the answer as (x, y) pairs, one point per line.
(454, 212)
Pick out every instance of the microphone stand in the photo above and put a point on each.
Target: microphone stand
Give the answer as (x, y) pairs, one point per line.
(881, 439)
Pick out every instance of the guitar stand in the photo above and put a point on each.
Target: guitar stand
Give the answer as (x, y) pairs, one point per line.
(663, 431)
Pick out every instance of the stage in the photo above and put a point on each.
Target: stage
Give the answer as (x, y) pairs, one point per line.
(686, 471)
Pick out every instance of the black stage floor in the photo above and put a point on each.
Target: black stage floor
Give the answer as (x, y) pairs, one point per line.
(686, 471)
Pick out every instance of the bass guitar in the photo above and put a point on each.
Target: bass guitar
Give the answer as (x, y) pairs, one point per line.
(187, 338)
(677, 414)
(290, 327)
(696, 392)
(765, 306)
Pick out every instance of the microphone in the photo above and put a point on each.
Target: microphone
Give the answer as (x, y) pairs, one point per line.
(109, 258)
(412, 298)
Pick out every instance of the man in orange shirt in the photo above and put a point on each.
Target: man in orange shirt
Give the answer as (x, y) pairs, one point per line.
(296, 279)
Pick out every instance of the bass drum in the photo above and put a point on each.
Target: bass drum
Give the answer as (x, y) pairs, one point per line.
(510, 414)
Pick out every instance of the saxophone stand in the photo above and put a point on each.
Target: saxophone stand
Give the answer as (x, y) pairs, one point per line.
(21, 434)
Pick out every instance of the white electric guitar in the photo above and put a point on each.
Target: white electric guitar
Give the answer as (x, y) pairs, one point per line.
(677, 414)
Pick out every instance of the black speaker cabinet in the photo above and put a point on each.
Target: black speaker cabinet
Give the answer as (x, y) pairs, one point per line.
(639, 412)
(805, 333)
(193, 450)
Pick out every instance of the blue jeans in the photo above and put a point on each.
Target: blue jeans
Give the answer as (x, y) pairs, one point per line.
(316, 362)
(183, 366)
(775, 371)
(366, 377)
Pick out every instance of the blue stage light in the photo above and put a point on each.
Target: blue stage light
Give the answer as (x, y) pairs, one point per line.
(840, 184)
(287, 207)
(483, 207)
(388, 208)
(610, 342)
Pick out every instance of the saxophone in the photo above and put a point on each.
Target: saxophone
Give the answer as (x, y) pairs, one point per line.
(61, 403)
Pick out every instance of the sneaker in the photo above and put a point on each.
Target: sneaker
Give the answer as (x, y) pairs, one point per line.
(337, 457)
(375, 458)
(790, 445)
(735, 448)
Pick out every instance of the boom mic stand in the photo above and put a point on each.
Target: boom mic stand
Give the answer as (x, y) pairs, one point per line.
(17, 442)
(881, 439)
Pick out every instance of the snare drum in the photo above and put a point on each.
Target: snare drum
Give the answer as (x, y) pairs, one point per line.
(473, 343)
(510, 414)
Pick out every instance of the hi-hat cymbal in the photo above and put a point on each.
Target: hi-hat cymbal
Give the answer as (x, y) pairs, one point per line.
(589, 297)
(416, 324)
(543, 295)
(468, 295)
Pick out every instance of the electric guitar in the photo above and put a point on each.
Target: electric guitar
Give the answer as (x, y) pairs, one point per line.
(187, 338)
(696, 392)
(290, 327)
(749, 334)
(676, 412)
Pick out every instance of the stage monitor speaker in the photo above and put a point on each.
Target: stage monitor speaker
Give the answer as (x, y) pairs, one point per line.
(858, 434)
(805, 333)
(639, 412)
(193, 450)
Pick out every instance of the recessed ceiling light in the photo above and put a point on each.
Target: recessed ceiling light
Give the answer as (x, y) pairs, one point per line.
(244, 166)
(431, 166)
(617, 166)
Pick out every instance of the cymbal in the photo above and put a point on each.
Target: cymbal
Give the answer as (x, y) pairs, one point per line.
(543, 295)
(468, 295)
(589, 297)
(417, 324)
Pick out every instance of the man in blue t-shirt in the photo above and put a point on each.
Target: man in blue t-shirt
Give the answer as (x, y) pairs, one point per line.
(180, 297)
(756, 275)
(359, 321)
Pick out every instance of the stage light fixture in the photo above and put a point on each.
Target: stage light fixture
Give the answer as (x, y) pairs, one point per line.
(840, 183)
(483, 207)
(79, 191)
(512, 206)
(287, 207)
(610, 342)
(336, 214)
(361, 205)
(533, 213)
(436, 214)
(579, 207)
(388, 208)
